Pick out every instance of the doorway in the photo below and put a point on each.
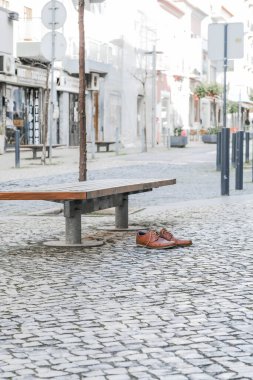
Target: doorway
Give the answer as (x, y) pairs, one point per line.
(73, 120)
(95, 114)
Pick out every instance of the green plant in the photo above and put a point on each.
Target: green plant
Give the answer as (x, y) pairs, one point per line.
(213, 90)
(213, 130)
(200, 91)
(208, 89)
(232, 107)
(178, 131)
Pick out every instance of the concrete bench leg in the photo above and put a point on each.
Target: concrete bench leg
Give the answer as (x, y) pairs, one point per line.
(72, 215)
(121, 213)
(34, 154)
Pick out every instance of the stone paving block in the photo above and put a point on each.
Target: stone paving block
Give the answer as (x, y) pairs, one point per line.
(226, 376)
(11, 367)
(174, 377)
(118, 377)
(215, 368)
(7, 375)
(200, 362)
(25, 372)
(201, 376)
(68, 377)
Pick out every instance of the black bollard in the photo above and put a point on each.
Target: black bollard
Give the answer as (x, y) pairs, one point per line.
(247, 147)
(218, 152)
(225, 135)
(233, 156)
(17, 148)
(239, 161)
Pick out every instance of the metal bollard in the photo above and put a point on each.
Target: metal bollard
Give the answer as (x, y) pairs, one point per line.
(233, 157)
(17, 148)
(225, 135)
(239, 161)
(218, 152)
(247, 147)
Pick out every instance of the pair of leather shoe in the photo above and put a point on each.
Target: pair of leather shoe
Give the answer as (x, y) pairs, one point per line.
(162, 240)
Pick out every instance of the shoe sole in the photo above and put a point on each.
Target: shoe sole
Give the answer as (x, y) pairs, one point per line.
(184, 245)
(144, 246)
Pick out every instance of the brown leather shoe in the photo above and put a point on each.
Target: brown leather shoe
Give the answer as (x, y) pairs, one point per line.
(151, 239)
(179, 242)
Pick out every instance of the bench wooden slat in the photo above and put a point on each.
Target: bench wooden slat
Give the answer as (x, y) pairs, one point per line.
(40, 146)
(41, 196)
(84, 190)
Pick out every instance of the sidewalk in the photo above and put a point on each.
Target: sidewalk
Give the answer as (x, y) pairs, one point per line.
(120, 312)
(65, 160)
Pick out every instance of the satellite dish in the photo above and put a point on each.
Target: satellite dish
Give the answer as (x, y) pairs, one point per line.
(53, 15)
(59, 43)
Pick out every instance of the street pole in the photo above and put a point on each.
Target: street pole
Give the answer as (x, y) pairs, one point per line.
(225, 131)
(153, 96)
(82, 87)
(52, 87)
(239, 113)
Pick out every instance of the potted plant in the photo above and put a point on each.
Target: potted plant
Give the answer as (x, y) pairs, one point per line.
(179, 139)
(211, 136)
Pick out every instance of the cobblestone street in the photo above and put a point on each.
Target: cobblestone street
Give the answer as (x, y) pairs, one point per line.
(120, 312)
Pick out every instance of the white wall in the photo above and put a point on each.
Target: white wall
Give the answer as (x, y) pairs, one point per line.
(6, 41)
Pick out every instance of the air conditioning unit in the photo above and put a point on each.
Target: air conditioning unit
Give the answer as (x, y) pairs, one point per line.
(14, 16)
(7, 64)
(93, 82)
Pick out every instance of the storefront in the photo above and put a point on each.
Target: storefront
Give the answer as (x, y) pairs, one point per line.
(23, 105)
(67, 98)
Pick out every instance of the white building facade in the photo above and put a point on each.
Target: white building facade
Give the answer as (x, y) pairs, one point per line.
(144, 59)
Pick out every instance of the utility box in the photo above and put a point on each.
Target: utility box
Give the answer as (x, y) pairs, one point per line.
(7, 64)
(93, 82)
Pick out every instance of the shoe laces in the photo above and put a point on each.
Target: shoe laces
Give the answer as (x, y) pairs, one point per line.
(154, 235)
(167, 234)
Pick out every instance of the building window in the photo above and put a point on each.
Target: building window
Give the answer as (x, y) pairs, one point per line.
(27, 13)
(5, 4)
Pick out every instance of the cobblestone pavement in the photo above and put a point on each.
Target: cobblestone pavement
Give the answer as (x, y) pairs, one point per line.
(120, 312)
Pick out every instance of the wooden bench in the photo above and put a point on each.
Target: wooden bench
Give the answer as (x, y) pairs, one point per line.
(38, 148)
(105, 144)
(86, 197)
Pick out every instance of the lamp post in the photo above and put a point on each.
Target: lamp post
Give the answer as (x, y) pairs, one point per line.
(79, 6)
(52, 93)
(153, 96)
